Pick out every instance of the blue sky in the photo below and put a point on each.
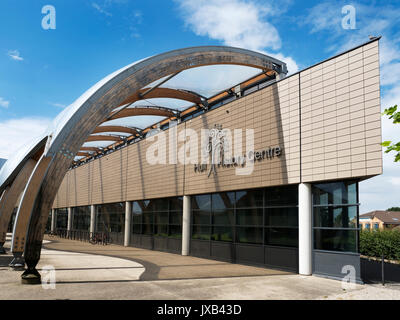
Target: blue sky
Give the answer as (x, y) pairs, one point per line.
(43, 71)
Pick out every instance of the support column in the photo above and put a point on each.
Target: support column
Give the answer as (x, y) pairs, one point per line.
(186, 225)
(305, 229)
(69, 224)
(128, 219)
(92, 219)
(53, 220)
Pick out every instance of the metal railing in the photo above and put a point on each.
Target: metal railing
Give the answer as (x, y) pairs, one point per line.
(103, 238)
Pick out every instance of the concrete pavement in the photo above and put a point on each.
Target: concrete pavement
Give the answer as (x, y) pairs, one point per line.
(115, 272)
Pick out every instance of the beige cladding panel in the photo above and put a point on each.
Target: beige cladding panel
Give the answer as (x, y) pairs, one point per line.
(340, 116)
(273, 115)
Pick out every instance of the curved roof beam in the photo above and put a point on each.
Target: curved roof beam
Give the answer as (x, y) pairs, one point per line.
(83, 154)
(103, 138)
(163, 93)
(143, 111)
(94, 149)
(101, 129)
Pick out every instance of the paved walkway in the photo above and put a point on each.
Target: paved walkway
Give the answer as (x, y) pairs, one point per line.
(85, 271)
(165, 266)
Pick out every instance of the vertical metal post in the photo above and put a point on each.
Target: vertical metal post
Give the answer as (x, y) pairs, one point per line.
(383, 270)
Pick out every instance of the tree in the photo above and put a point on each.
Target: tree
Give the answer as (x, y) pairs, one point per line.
(391, 146)
(393, 209)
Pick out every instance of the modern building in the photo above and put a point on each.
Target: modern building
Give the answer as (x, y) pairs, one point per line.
(379, 219)
(317, 134)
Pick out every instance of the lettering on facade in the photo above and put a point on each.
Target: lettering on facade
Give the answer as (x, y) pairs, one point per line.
(217, 148)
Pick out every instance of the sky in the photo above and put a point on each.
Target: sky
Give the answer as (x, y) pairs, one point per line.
(42, 71)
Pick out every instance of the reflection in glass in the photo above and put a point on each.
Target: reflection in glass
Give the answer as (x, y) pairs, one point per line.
(222, 233)
(249, 235)
(282, 196)
(201, 202)
(223, 200)
(250, 217)
(201, 232)
(249, 198)
(223, 217)
(286, 237)
(335, 217)
(201, 217)
(335, 240)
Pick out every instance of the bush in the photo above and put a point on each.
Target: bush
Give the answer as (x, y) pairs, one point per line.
(377, 242)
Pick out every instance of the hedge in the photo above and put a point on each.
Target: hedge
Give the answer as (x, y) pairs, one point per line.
(377, 242)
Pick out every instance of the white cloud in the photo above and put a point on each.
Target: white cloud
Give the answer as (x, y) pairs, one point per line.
(15, 133)
(4, 103)
(237, 23)
(15, 55)
(58, 105)
(395, 181)
(101, 9)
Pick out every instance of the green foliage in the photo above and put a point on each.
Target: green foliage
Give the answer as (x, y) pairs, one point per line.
(393, 209)
(377, 242)
(395, 116)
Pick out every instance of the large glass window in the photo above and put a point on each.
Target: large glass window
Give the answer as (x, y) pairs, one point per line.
(335, 211)
(110, 217)
(260, 216)
(81, 218)
(61, 218)
(159, 217)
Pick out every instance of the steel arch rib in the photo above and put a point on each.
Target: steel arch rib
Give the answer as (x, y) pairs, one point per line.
(76, 123)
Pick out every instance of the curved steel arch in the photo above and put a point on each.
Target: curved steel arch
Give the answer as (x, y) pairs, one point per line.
(74, 126)
(143, 111)
(124, 129)
(162, 92)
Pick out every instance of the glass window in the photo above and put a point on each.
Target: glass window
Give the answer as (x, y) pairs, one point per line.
(176, 204)
(201, 217)
(62, 218)
(223, 217)
(339, 217)
(175, 217)
(175, 231)
(367, 226)
(250, 217)
(81, 218)
(283, 217)
(249, 235)
(201, 202)
(161, 217)
(335, 240)
(161, 230)
(249, 198)
(201, 232)
(137, 228)
(343, 192)
(376, 226)
(282, 196)
(286, 237)
(223, 200)
(222, 233)
(110, 217)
